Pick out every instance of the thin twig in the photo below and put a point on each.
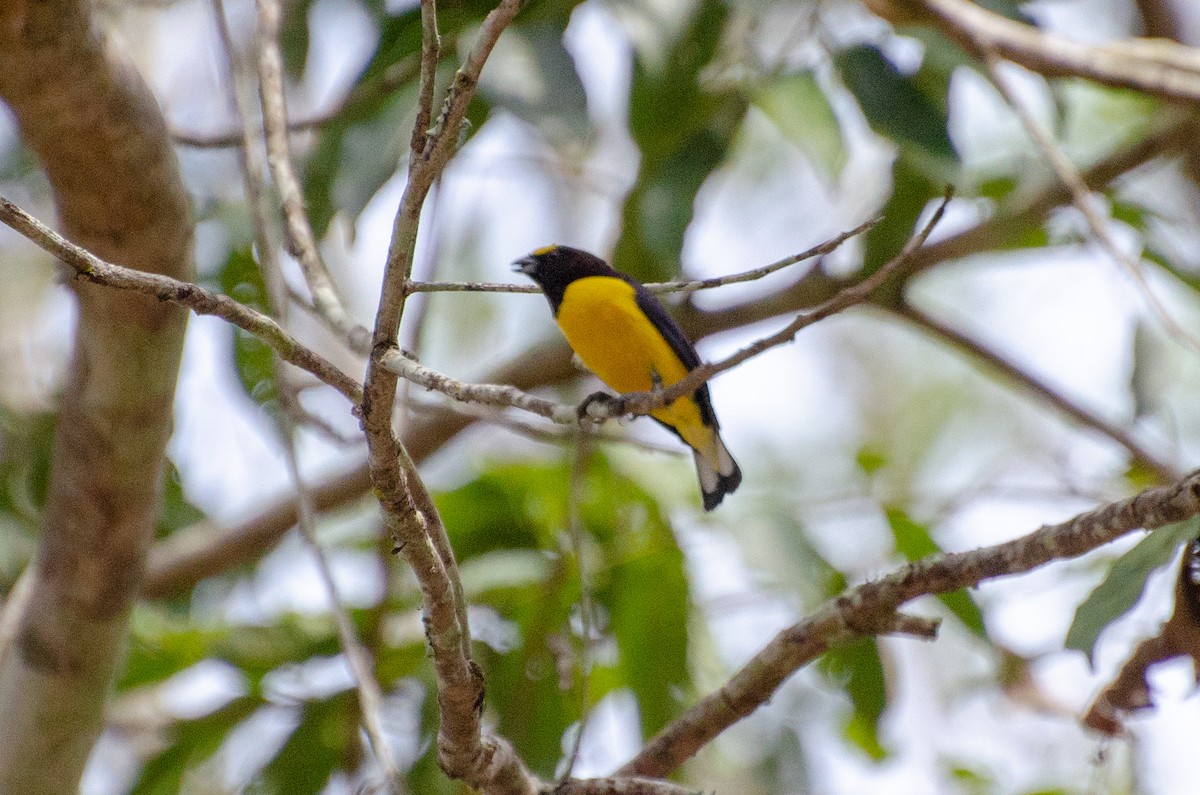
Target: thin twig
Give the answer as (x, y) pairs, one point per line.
(503, 395)
(584, 446)
(869, 608)
(362, 95)
(1066, 171)
(370, 695)
(301, 241)
(431, 51)
(645, 402)
(657, 287)
(250, 156)
(399, 363)
(626, 785)
(90, 268)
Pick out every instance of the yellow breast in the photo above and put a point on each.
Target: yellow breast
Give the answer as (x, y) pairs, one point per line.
(601, 320)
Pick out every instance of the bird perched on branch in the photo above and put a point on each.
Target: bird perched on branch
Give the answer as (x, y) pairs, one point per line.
(625, 336)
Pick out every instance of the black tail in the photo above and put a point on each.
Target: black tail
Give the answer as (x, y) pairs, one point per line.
(716, 483)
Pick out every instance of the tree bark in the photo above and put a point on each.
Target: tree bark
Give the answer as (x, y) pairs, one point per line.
(99, 135)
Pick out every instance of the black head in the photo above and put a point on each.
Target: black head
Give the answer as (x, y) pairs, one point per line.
(555, 267)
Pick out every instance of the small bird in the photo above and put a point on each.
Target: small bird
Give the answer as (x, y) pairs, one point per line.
(625, 336)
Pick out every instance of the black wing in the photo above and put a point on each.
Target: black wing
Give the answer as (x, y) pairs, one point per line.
(679, 343)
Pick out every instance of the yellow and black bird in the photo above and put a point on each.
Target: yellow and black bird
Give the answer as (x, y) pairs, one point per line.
(625, 336)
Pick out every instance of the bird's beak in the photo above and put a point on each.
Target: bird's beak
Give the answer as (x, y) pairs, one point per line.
(525, 265)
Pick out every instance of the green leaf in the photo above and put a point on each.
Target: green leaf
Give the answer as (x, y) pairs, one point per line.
(493, 512)
(1126, 581)
(531, 75)
(870, 459)
(190, 743)
(893, 104)
(914, 542)
(643, 586)
(801, 112)
(293, 37)
(857, 669)
(241, 279)
(327, 731)
(683, 130)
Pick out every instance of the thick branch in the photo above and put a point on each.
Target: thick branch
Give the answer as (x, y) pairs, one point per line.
(1158, 67)
(101, 139)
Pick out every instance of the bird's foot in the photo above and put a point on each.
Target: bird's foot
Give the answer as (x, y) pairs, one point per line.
(600, 406)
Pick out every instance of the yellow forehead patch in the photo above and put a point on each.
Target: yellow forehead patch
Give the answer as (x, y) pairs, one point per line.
(539, 252)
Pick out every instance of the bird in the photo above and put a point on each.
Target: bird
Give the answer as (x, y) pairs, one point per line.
(624, 335)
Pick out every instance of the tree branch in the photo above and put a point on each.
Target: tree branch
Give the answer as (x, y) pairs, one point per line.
(1157, 67)
(100, 137)
(868, 608)
(90, 268)
(463, 751)
(302, 243)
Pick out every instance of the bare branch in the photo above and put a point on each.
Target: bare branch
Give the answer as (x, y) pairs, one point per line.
(1078, 189)
(90, 268)
(1158, 67)
(503, 395)
(463, 751)
(370, 695)
(431, 51)
(645, 402)
(301, 241)
(869, 608)
(659, 287)
(629, 785)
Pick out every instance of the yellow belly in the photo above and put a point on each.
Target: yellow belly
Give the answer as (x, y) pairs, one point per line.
(601, 320)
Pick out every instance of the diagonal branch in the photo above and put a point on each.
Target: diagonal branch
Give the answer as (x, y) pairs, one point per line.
(869, 607)
(1157, 66)
(301, 241)
(645, 402)
(90, 268)
(1164, 470)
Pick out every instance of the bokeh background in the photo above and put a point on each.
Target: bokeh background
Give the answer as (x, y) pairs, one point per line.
(691, 139)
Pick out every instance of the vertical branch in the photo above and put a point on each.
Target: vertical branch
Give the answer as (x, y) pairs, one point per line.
(431, 52)
(97, 132)
(584, 445)
(300, 238)
(370, 695)
(408, 509)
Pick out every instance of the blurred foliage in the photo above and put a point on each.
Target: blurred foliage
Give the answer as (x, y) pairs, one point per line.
(694, 78)
(1122, 587)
